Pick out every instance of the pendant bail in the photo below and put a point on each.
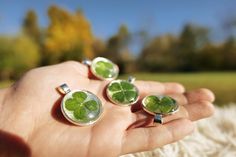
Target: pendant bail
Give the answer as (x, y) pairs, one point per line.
(158, 118)
(131, 79)
(64, 89)
(87, 62)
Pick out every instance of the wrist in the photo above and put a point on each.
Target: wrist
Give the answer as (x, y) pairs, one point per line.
(9, 122)
(11, 144)
(3, 99)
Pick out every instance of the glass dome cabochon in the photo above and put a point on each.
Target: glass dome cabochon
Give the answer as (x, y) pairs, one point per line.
(164, 105)
(104, 69)
(122, 92)
(81, 107)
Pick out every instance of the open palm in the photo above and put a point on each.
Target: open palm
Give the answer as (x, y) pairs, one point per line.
(37, 118)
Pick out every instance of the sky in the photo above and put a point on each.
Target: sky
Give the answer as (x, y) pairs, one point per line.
(105, 16)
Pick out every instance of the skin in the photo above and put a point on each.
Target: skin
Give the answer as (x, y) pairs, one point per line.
(38, 122)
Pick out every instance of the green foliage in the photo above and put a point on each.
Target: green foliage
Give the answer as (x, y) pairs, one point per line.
(117, 48)
(191, 51)
(159, 54)
(31, 27)
(17, 55)
(229, 56)
(68, 36)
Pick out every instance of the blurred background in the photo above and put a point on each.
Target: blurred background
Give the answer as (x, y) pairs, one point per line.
(191, 42)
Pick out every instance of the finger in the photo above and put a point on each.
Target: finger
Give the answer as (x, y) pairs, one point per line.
(172, 87)
(181, 113)
(200, 95)
(193, 112)
(143, 139)
(151, 87)
(200, 110)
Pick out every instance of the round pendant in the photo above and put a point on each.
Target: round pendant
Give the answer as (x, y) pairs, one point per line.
(122, 92)
(80, 107)
(103, 68)
(159, 106)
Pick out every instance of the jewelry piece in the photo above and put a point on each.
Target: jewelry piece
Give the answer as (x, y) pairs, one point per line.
(159, 106)
(103, 68)
(80, 107)
(122, 92)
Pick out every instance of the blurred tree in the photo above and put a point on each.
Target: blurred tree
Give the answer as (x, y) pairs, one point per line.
(158, 55)
(209, 58)
(31, 27)
(191, 40)
(229, 54)
(17, 55)
(117, 45)
(168, 53)
(99, 47)
(68, 36)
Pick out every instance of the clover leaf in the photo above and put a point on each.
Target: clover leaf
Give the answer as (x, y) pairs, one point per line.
(80, 105)
(122, 92)
(160, 104)
(104, 69)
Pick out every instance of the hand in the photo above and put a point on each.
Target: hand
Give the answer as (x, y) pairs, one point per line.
(30, 110)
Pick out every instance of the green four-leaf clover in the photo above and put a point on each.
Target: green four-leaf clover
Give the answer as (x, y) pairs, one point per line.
(81, 106)
(105, 69)
(122, 92)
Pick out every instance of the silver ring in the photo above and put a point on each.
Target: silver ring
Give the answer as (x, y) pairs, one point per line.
(159, 106)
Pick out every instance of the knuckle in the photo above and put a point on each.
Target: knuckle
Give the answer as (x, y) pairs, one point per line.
(71, 63)
(72, 66)
(31, 73)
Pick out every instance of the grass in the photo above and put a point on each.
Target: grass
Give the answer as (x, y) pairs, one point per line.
(223, 84)
(4, 84)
